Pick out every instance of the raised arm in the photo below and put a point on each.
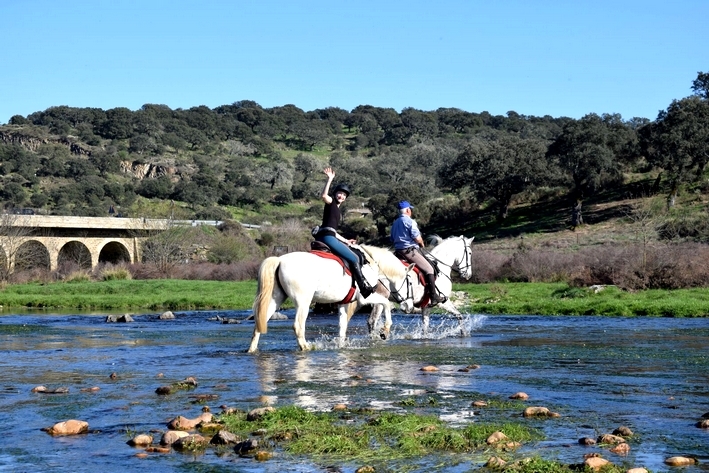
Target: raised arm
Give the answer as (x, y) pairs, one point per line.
(326, 190)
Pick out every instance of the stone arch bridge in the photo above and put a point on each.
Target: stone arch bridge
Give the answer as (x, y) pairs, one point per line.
(48, 241)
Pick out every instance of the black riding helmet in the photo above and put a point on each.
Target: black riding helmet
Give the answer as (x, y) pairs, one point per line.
(342, 188)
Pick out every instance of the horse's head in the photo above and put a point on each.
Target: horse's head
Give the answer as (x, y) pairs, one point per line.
(464, 258)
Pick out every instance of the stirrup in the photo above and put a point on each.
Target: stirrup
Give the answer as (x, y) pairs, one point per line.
(366, 291)
(436, 299)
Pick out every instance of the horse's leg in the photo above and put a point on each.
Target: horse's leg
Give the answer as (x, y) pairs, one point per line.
(373, 317)
(254, 342)
(379, 303)
(302, 306)
(344, 321)
(452, 309)
(386, 330)
(425, 319)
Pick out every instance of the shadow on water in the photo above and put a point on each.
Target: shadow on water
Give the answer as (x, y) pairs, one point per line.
(599, 373)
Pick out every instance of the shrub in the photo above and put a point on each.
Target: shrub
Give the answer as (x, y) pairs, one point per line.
(113, 274)
(78, 276)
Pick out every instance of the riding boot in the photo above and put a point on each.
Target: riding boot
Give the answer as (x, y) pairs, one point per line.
(364, 288)
(433, 295)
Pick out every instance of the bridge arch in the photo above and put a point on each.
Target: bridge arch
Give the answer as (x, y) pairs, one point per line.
(114, 252)
(32, 254)
(75, 252)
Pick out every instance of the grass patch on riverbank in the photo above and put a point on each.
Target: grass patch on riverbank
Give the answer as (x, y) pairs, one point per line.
(560, 299)
(154, 294)
(393, 441)
(365, 435)
(507, 298)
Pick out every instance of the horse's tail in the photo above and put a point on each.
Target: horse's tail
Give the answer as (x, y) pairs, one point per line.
(264, 293)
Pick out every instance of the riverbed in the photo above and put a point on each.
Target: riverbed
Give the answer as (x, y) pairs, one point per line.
(598, 373)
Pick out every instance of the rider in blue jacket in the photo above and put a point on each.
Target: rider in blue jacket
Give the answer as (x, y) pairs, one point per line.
(408, 243)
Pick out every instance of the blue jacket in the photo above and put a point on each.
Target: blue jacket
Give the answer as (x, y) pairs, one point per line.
(404, 232)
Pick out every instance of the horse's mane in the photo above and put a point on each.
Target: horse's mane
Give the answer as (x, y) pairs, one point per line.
(388, 263)
(434, 240)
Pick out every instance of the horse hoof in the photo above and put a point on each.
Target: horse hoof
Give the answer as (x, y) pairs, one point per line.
(383, 335)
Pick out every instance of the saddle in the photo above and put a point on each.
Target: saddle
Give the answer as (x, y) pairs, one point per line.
(324, 251)
(320, 249)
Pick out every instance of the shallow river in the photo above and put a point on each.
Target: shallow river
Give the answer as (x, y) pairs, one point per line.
(599, 373)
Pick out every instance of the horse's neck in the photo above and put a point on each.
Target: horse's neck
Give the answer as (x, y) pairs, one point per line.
(444, 254)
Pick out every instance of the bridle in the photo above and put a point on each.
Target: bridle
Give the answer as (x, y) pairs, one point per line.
(466, 256)
(397, 292)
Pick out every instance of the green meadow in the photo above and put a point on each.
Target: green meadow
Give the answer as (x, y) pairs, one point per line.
(497, 298)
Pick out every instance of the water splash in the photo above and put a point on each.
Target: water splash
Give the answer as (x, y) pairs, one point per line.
(439, 327)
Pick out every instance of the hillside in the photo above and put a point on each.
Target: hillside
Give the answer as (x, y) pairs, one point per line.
(517, 183)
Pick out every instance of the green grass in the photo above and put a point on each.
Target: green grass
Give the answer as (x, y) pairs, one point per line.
(508, 298)
(365, 436)
(559, 299)
(131, 294)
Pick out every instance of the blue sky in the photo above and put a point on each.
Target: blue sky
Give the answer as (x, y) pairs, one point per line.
(534, 57)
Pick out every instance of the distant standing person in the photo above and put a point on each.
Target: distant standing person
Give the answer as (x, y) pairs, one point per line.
(328, 230)
(408, 243)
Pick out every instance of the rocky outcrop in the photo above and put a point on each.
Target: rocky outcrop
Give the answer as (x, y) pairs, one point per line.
(29, 142)
(147, 170)
(32, 143)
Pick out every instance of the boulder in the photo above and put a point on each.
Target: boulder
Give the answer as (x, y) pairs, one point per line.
(142, 440)
(172, 436)
(538, 411)
(595, 463)
(190, 442)
(68, 427)
(522, 396)
(183, 423)
(680, 461)
(257, 413)
(610, 439)
(623, 431)
(262, 455)
(112, 318)
(246, 446)
(167, 315)
(496, 437)
(621, 449)
(224, 437)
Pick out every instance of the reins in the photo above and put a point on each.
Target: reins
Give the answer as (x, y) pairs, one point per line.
(458, 270)
(409, 286)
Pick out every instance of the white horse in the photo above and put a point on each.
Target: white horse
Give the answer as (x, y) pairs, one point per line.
(306, 278)
(451, 254)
